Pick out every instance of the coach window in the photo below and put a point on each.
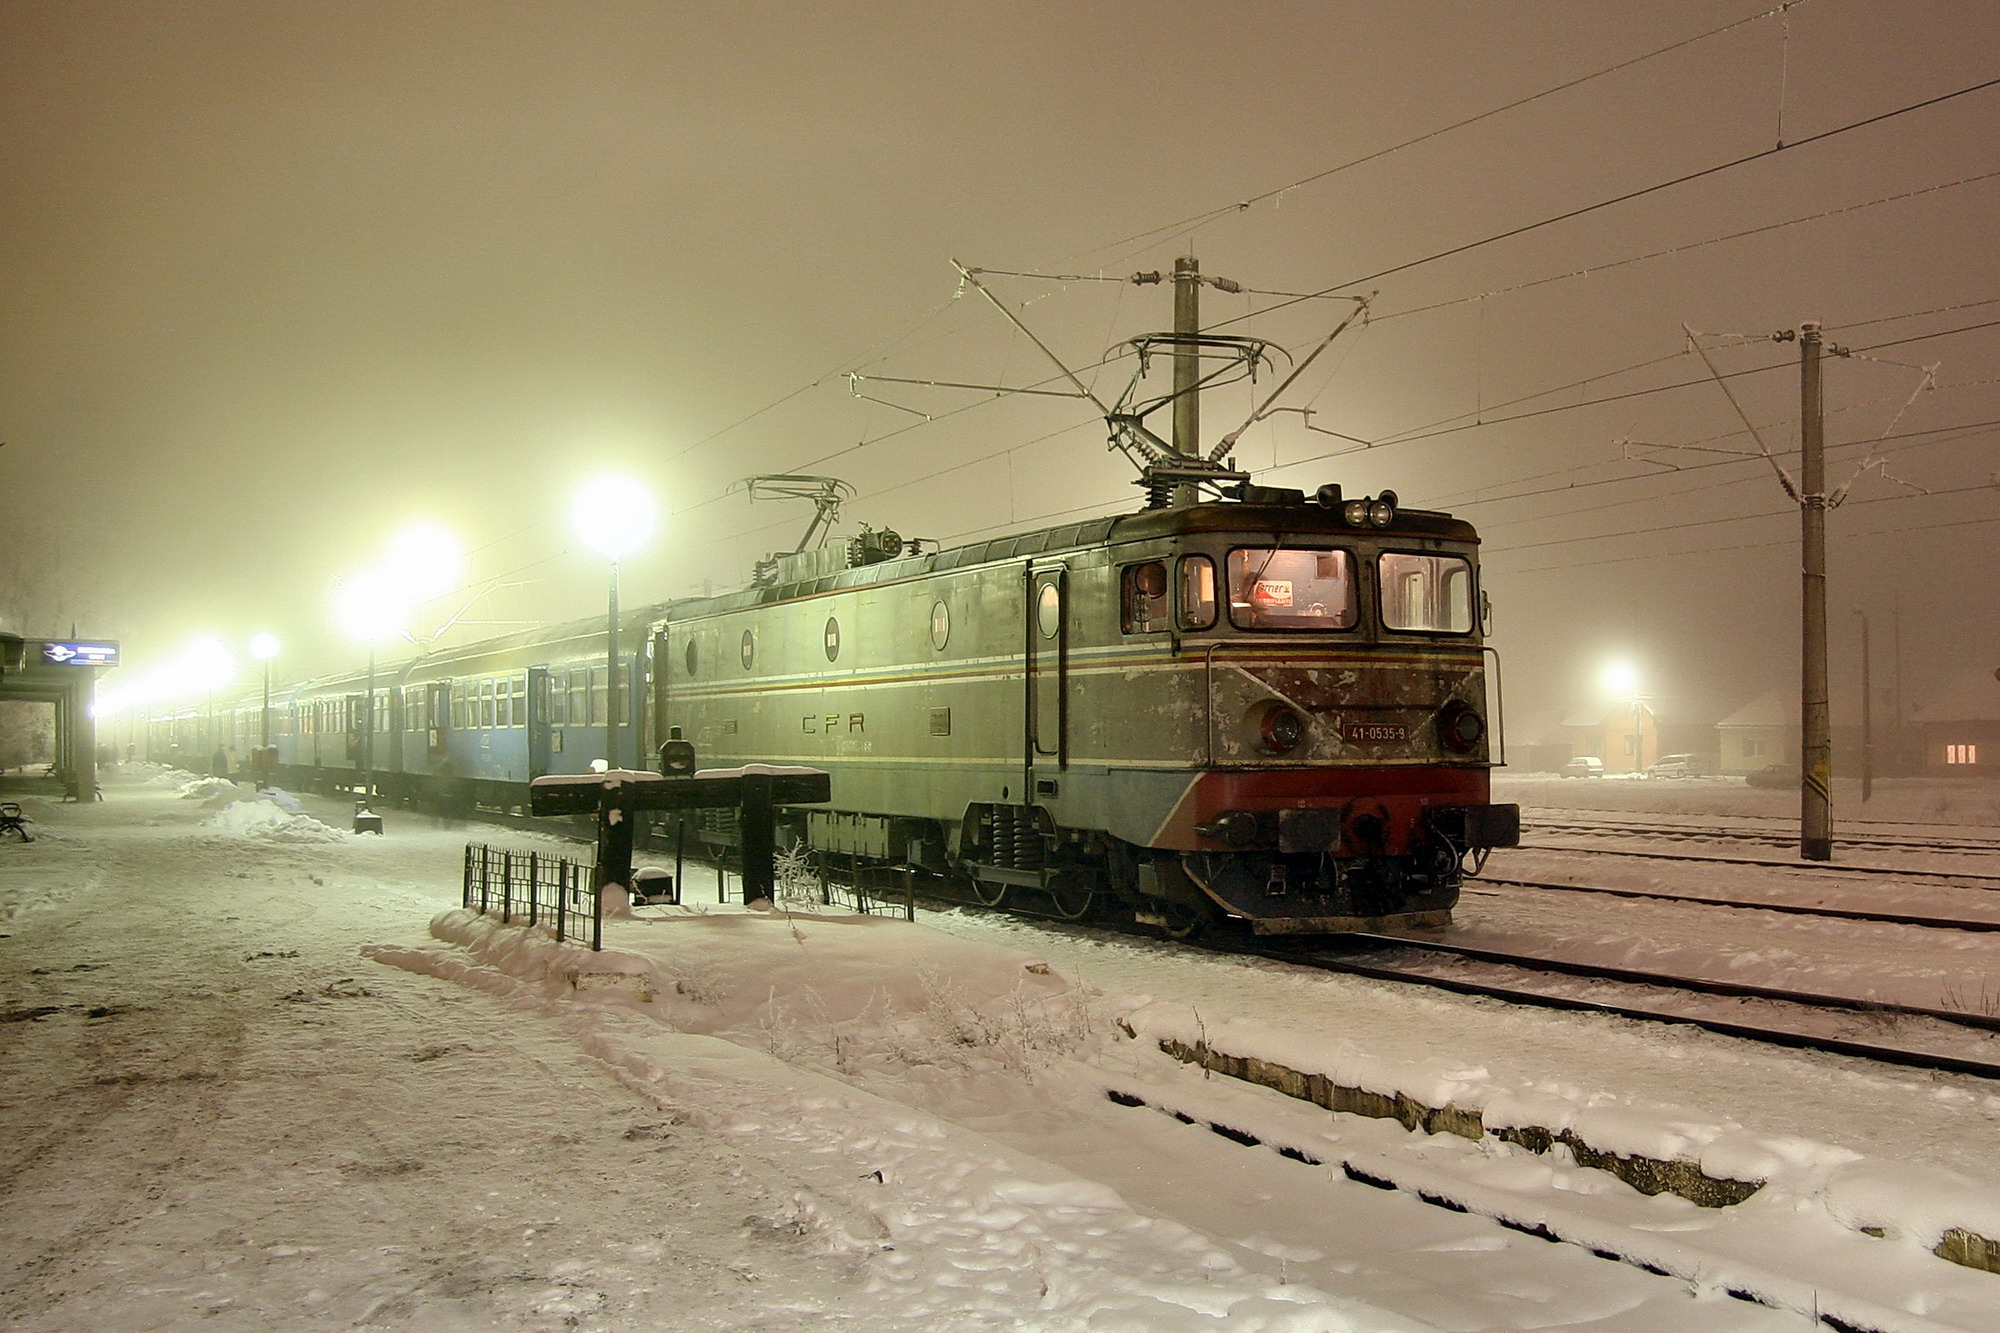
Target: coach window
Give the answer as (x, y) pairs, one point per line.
(1197, 592)
(579, 697)
(1143, 598)
(486, 704)
(598, 676)
(555, 706)
(1429, 594)
(1281, 588)
(519, 689)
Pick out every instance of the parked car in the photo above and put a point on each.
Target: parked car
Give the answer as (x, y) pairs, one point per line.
(1775, 775)
(1584, 766)
(1672, 766)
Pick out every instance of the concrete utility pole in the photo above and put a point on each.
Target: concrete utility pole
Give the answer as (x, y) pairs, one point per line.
(1187, 367)
(1867, 717)
(1815, 743)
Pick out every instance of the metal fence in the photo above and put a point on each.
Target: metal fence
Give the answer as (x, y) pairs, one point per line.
(541, 888)
(870, 890)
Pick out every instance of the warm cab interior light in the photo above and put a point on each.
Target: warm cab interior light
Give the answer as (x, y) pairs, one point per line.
(1459, 727)
(1282, 730)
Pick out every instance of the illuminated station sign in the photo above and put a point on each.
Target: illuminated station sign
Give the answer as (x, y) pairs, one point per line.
(79, 653)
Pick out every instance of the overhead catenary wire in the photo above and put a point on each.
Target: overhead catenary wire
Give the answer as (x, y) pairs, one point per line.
(1717, 520)
(1198, 220)
(1432, 434)
(1599, 561)
(852, 361)
(1412, 437)
(1642, 192)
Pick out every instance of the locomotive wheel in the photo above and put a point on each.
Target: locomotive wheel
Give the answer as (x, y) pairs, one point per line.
(1071, 900)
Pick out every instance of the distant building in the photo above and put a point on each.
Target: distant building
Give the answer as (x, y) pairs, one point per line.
(1625, 736)
(1960, 725)
(1764, 731)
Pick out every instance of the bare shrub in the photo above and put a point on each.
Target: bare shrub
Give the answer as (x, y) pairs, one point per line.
(1965, 1001)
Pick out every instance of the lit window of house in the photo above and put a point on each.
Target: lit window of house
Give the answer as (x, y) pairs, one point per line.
(1961, 754)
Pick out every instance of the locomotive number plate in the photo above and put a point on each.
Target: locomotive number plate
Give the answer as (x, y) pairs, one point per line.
(1375, 733)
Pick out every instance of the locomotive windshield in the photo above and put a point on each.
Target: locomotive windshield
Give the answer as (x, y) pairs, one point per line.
(1431, 593)
(1277, 588)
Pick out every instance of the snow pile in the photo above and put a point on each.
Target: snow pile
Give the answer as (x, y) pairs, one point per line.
(171, 777)
(268, 821)
(885, 1045)
(1799, 1176)
(283, 799)
(824, 1030)
(213, 792)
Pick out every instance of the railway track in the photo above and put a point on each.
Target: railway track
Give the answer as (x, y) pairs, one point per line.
(1319, 955)
(1971, 878)
(1802, 1003)
(1790, 909)
(1764, 837)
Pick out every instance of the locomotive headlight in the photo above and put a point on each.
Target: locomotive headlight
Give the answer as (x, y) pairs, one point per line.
(1459, 727)
(1282, 729)
(1377, 511)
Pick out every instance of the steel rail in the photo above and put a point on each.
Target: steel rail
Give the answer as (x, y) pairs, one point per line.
(1783, 821)
(1816, 867)
(1791, 909)
(1760, 836)
(1542, 999)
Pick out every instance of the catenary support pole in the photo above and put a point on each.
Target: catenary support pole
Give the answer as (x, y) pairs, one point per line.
(1867, 716)
(1815, 745)
(1187, 367)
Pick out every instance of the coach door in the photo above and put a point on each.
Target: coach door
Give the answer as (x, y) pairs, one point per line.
(438, 742)
(538, 721)
(1046, 672)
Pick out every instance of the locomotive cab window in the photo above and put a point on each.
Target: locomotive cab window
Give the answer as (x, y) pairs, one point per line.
(1429, 594)
(1283, 588)
(1197, 592)
(1143, 599)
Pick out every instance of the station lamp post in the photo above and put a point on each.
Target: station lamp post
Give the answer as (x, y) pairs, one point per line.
(423, 561)
(1621, 681)
(613, 516)
(264, 647)
(369, 609)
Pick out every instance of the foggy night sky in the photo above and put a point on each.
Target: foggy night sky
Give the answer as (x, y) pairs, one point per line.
(277, 278)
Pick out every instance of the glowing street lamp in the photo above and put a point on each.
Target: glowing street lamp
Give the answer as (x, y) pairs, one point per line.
(204, 667)
(426, 561)
(613, 516)
(1621, 681)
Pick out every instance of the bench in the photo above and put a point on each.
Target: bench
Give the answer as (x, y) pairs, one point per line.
(13, 821)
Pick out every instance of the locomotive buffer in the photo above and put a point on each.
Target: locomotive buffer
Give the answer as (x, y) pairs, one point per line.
(755, 790)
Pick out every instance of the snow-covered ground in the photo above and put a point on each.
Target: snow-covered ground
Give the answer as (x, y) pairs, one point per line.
(258, 1073)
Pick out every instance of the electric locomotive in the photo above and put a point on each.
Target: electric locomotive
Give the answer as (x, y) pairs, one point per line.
(1238, 703)
(1269, 708)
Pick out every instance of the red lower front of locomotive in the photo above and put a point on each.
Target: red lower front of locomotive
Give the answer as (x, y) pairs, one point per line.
(1310, 850)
